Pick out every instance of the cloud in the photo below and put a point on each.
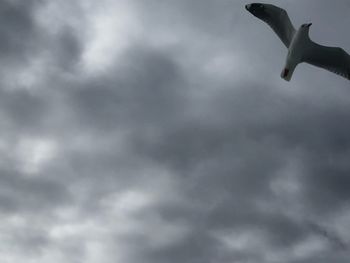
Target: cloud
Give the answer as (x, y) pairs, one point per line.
(161, 132)
(331, 237)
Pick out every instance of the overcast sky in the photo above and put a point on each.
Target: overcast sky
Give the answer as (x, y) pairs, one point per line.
(160, 131)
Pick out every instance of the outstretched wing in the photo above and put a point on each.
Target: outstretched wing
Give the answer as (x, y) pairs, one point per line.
(334, 59)
(277, 18)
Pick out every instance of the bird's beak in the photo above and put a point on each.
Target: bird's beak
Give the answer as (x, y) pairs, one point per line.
(308, 25)
(247, 7)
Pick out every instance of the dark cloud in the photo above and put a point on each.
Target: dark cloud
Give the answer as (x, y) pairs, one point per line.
(33, 193)
(186, 147)
(66, 49)
(333, 238)
(17, 27)
(148, 87)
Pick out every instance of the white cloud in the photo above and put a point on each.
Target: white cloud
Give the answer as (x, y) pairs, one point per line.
(111, 26)
(32, 154)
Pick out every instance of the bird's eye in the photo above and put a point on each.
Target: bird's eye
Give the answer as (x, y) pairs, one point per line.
(261, 6)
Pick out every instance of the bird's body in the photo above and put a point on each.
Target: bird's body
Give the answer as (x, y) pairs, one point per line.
(300, 47)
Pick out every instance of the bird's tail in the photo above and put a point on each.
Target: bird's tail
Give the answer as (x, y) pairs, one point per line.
(287, 73)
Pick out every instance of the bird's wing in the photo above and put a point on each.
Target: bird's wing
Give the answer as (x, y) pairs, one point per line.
(276, 17)
(279, 21)
(334, 59)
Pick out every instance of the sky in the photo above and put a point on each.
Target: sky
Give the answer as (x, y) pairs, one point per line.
(161, 132)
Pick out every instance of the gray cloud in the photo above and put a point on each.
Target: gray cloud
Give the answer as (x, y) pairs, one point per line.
(330, 236)
(183, 145)
(17, 27)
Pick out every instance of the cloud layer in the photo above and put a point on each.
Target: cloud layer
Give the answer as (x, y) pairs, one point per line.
(162, 132)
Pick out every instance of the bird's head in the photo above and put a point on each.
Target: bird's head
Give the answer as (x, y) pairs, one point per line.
(304, 29)
(305, 26)
(258, 9)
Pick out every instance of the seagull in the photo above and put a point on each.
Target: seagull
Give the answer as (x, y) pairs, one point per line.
(300, 47)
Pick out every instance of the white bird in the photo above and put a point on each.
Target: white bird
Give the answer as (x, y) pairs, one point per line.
(300, 47)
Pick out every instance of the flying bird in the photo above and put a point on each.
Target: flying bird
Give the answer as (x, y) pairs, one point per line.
(300, 47)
